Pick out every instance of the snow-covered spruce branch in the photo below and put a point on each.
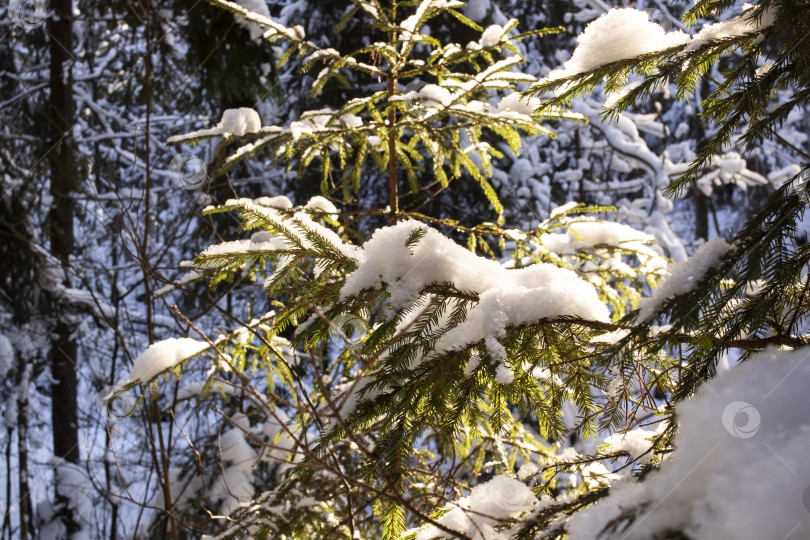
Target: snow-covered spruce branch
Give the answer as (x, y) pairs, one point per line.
(294, 35)
(658, 56)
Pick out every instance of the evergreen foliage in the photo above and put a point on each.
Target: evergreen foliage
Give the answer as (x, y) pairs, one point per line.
(438, 121)
(375, 362)
(388, 414)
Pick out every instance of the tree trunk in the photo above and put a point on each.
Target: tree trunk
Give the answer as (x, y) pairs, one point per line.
(60, 116)
(25, 507)
(700, 202)
(701, 214)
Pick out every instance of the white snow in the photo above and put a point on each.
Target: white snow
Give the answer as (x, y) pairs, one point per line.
(259, 7)
(409, 25)
(625, 33)
(763, 70)
(491, 35)
(527, 470)
(436, 258)
(268, 241)
(582, 234)
(488, 503)
(506, 297)
(234, 484)
(611, 338)
(504, 375)
(682, 277)
(279, 201)
(780, 176)
(234, 123)
(569, 455)
(162, 356)
(596, 474)
(255, 13)
(514, 102)
(612, 100)
(240, 121)
(635, 442)
(321, 205)
(319, 120)
(737, 26)
(73, 484)
(617, 35)
(471, 365)
(6, 356)
(739, 469)
(429, 95)
(259, 241)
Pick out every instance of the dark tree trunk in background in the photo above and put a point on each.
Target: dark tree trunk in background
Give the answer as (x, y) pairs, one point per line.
(26, 509)
(701, 205)
(700, 202)
(63, 183)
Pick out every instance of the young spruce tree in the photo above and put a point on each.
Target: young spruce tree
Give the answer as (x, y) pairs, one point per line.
(398, 374)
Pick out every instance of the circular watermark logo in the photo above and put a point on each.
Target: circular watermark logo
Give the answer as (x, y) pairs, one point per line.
(585, 260)
(115, 404)
(27, 14)
(802, 186)
(187, 171)
(350, 328)
(512, 496)
(741, 419)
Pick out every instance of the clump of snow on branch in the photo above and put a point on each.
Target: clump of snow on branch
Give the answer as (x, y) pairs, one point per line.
(611, 338)
(527, 470)
(597, 233)
(637, 443)
(279, 201)
(253, 13)
(321, 205)
(514, 102)
(496, 351)
(258, 7)
(682, 277)
(491, 36)
(625, 33)
(487, 505)
(506, 297)
(234, 123)
(162, 356)
(429, 94)
(735, 27)
(619, 34)
(312, 122)
(739, 469)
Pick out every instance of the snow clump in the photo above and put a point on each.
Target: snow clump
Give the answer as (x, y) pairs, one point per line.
(489, 503)
(162, 356)
(234, 123)
(506, 297)
(619, 34)
(682, 277)
(739, 469)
